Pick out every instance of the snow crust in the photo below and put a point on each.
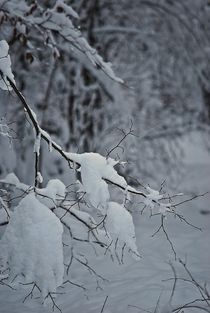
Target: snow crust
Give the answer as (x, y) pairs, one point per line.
(32, 245)
(5, 66)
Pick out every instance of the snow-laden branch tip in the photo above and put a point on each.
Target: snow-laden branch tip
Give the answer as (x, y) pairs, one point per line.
(92, 165)
(97, 166)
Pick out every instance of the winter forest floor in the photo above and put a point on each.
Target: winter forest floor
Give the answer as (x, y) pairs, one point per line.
(134, 285)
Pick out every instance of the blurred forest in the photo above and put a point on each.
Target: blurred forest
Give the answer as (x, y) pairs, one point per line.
(147, 107)
(161, 49)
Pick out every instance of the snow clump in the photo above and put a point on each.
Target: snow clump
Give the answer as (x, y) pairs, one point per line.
(31, 246)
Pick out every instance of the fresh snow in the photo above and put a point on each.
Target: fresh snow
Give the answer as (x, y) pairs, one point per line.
(32, 246)
(119, 224)
(52, 193)
(95, 169)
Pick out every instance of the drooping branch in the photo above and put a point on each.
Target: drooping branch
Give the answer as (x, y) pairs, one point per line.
(71, 160)
(36, 126)
(54, 145)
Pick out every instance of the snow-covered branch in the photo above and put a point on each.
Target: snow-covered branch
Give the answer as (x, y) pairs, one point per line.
(109, 176)
(52, 21)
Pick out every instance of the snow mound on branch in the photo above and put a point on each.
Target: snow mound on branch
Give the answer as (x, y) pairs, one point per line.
(119, 224)
(52, 193)
(12, 179)
(32, 245)
(153, 194)
(95, 169)
(153, 199)
(5, 66)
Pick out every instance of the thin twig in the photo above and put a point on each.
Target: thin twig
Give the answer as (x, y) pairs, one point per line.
(102, 309)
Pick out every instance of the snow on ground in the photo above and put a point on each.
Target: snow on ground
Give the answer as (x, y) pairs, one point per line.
(139, 283)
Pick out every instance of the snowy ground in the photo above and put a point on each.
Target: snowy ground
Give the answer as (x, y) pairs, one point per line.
(139, 284)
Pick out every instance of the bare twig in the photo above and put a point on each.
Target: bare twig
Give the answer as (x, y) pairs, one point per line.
(74, 284)
(102, 309)
(166, 234)
(54, 305)
(130, 132)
